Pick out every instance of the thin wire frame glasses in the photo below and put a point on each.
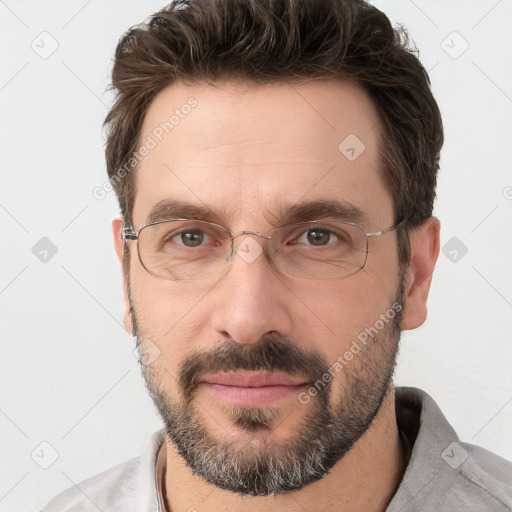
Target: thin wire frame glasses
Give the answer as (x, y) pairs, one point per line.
(190, 250)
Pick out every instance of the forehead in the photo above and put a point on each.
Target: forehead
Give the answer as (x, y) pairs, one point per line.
(241, 148)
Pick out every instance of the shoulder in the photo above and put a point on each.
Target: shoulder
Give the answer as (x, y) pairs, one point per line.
(127, 487)
(444, 473)
(482, 480)
(113, 490)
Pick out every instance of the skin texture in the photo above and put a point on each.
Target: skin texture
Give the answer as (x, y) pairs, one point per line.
(241, 151)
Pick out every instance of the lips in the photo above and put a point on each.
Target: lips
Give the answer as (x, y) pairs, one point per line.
(254, 379)
(253, 389)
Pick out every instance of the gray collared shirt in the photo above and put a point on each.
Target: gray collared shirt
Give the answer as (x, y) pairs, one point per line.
(443, 474)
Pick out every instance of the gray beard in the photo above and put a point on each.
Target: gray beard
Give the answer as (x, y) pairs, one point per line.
(263, 467)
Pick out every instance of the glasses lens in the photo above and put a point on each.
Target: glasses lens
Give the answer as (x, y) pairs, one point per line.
(184, 250)
(193, 250)
(319, 249)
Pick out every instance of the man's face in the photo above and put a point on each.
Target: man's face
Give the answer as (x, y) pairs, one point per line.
(244, 152)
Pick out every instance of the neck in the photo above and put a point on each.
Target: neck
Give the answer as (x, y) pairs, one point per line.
(365, 479)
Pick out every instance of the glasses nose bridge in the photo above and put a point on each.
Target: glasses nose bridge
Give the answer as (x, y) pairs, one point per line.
(245, 232)
(255, 233)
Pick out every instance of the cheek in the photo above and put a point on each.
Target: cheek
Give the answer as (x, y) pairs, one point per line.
(339, 312)
(339, 315)
(168, 314)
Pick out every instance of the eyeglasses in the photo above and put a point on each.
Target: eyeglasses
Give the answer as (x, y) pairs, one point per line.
(193, 250)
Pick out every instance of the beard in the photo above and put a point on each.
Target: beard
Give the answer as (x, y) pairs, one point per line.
(264, 465)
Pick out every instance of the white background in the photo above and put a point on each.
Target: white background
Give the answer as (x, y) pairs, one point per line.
(68, 374)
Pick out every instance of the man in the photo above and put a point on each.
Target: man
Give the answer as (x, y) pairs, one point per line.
(275, 164)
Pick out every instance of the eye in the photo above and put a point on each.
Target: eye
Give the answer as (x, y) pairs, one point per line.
(319, 236)
(190, 237)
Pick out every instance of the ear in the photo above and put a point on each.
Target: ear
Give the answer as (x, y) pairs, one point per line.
(117, 229)
(424, 252)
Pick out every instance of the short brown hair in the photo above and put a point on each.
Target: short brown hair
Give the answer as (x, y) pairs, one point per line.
(284, 40)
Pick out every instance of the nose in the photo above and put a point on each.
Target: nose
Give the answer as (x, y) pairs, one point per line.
(251, 299)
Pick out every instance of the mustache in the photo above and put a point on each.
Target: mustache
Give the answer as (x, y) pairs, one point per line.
(270, 353)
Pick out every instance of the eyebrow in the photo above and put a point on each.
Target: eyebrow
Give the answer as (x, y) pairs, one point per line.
(320, 209)
(169, 209)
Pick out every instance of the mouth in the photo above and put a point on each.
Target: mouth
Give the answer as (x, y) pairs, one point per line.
(253, 388)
